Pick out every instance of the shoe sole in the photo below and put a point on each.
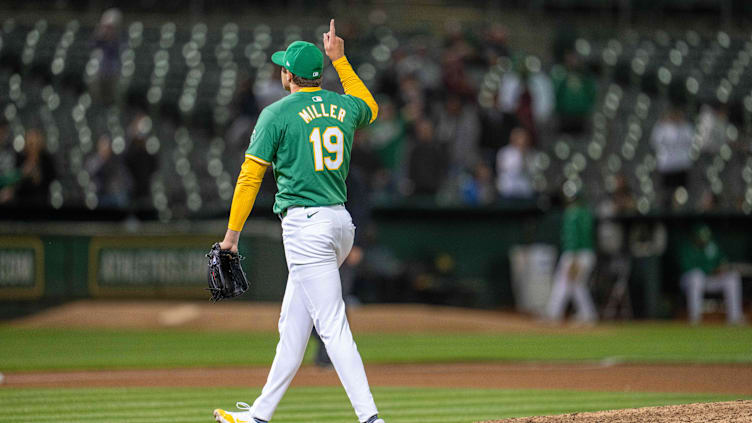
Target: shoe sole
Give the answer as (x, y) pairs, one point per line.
(219, 419)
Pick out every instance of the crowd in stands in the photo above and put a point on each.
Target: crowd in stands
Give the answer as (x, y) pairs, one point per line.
(442, 135)
(432, 139)
(435, 140)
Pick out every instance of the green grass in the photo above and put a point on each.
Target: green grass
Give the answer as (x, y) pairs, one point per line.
(314, 405)
(38, 349)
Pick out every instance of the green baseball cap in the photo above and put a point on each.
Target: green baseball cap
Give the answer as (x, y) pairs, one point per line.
(302, 59)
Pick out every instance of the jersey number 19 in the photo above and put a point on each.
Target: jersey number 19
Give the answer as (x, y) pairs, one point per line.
(333, 141)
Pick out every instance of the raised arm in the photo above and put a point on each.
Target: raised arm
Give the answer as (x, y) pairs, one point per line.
(335, 50)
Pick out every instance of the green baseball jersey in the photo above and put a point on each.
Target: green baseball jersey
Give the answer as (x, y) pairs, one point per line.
(577, 229)
(307, 137)
(706, 257)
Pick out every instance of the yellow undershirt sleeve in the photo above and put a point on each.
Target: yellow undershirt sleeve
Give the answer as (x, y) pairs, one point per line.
(354, 86)
(246, 189)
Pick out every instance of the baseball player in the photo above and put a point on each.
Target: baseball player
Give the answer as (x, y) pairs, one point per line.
(575, 265)
(705, 269)
(307, 138)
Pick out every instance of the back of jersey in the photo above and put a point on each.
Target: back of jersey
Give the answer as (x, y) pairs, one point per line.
(307, 137)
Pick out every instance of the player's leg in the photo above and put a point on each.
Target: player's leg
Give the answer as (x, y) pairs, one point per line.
(732, 295)
(557, 302)
(295, 326)
(324, 296)
(342, 248)
(352, 373)
(580, 289)
(320, 283)
(693, 283)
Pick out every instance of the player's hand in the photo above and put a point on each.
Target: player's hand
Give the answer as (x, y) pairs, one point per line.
(231, 241)
(225, 245)
(334, 46)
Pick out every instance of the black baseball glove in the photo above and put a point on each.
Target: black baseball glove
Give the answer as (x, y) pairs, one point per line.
(226, 276)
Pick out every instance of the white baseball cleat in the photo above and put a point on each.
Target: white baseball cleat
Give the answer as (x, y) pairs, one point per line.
(222, 416)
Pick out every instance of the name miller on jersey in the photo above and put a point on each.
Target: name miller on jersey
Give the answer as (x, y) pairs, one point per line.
(314, 111)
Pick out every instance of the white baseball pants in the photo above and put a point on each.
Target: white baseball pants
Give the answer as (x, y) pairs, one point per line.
(317, 240)
(563, 289)
(696, 284)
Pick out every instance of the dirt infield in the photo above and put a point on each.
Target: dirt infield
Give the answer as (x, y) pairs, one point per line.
(263, 317)
(726, 412)
(595, 377)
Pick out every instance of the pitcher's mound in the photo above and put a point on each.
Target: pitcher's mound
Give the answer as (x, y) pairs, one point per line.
(726, 412)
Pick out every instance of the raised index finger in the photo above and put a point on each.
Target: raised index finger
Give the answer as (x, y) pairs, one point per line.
(331, 28)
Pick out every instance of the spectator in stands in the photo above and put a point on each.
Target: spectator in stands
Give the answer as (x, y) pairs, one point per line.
(672, 139)
(575, 94)
(708, 201)
(428, 161)
(141, 164)
(8, 173)
(387, 135)
(575, 264)
(35, 171)
(565, 37)
(7, 155)
(458, 131)
(110, 176)
(705, 269)
(245, 100)
(457, 50)
(107, 42)
(411, 98)
(526, 95)
(494, 131)
(387, 139)
(477, 189)
(420, 63)
(512, 164)
(712, 127)
(495, 43)
(246, 110)
(267, 87)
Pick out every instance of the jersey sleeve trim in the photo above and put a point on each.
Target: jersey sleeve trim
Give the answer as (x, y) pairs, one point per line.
(257, 159)
(364, 106)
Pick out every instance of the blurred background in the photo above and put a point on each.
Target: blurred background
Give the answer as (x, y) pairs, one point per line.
(605, 144)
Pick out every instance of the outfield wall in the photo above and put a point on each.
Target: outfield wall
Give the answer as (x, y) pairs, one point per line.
(61, 261)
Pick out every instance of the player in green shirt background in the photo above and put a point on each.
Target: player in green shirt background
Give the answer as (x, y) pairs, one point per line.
(705, 269)
(575, 264)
